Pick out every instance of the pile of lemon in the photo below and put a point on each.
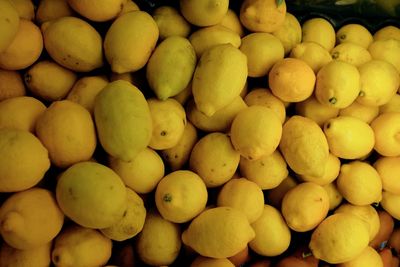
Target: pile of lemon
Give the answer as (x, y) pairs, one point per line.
(196, 136)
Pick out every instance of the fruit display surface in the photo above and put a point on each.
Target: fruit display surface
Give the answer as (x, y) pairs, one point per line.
(199, 133)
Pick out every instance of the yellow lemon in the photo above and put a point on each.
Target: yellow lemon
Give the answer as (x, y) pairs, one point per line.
(130, 40)
(170, 22)
(339, 238)
(392, 106)
(256, 131)
(214, 159)
(387, 131)
(252, 15)
(52, 9)
(332, 169)
(387, 32)
(243, 195)
(177, 156)
(208, 235)
(219, 77)
(20, 113)
(232, 22)
(335, 198)
(25, 8)
(91, 195)
(78, 54)
(85, 90)
(275, 195)
(320, 31)
(351, 53)
(315, 110)
(366, 213)
(9, 23)
(267, 172)
(387, 50)
(132, 221)
(354, 33)
(24, 49)
(80, 246)
(379, 82)
(360, 111)
(180, 196)
(102, 10)
(263, 50)
(37, 256)
(30, 218)
(11, 84)
(359, 183)
(272, 234)
(338, 84)
(168, 122)
(159, 242)
(205, 12)
(128, 6)
(49, 81)
(23, 160)
(289, 32)
(201, 261)
(369, 257)
(349, 137)
(304, 146)
(387, 168)
(292, 80)
(305, 206)
(141, 174)
(390, 203)
(314, 54)
(123, 120)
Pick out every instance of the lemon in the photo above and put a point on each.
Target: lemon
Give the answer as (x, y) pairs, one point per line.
(37, 256)
(292, 80)
(313, 109)
(335, 198)
(180, 196)
(360, 111)
(123, 120)
(205, 12)
(85, 91)
(267, 172)
(30, 218)
(253, 16)
(369, 257)
(214, 159)
(52, 9)
(275, 195)
(366, 213)
(177, 156)
(130, 40)
(168, 122)
(220, 121)
(289, 32)
(79, 246)
(392, 106)
(349, 137)
(11, 84)
(387, 32)
(314, 54)
(331, 172)
(351, 53)
(272, 234)
(379, 83)
(263, 50)
(25, 8)
(387, 168)
(339, 238)
(171, 66)
(24, 49)
(170, 22)
(99, 11)
(9, 24)
(128, 6)
(67, 130)
(216, 80)
(387, 132)
(305, 206)
(338, 84)
(243, 195)
(23, 160)
(91, 195)
(159, 241)
(20, 113)
(141, 174)
(132, 221)
(354, 33)
(73, 43)
(390, 203)
(49, 81)
(304, 146)
(232, 22)
(387, 50)
(208, 235)
(201, 261)
(320, 31)
(359, 183)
